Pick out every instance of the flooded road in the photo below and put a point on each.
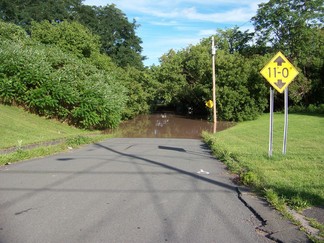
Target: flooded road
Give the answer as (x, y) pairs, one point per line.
(166, 125)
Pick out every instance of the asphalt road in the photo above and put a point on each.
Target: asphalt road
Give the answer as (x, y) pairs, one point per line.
(124, 190)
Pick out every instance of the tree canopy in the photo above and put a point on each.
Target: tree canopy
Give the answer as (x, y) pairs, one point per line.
(296, 28)
(290, 25)
(23, 12)
(83, 64)
(117, 35)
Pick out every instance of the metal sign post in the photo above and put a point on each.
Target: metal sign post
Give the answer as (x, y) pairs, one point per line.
(271, 122)
(284, 148)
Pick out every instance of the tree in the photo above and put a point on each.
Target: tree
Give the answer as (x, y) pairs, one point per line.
(118, 37)
(170, 77)
(289, 25)
(295, 27)
(234, 40)
(23, 12)
(185, 81)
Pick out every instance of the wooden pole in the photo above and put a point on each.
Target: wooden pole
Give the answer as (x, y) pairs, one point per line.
(214, 84)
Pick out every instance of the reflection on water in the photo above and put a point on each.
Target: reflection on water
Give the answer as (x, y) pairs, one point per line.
(166, 125)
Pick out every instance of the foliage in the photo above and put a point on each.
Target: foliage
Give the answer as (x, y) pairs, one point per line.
(197, 71)
(118, 38)
(170, 78)
(311, 109)
(185, 77)
(233, 40)
(296, 28)
(101, 59)
(52, 83)
(69, 36)
(12, 32)
(117, 34)
(273, 198)
(23, 12)
(54, 80)
(241, 93)
(140, 91)
(78, 140)
(290, 25)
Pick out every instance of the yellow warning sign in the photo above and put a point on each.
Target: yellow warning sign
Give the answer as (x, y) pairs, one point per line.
(210, 104)
(279, 72)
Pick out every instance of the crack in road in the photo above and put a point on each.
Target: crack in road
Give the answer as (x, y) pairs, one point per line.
(265, 233)
(23, 211)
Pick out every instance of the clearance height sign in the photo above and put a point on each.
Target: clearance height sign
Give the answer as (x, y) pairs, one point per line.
(279, 72)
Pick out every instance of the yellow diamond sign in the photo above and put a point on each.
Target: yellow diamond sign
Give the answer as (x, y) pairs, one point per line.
(210, 104)
(279, 72)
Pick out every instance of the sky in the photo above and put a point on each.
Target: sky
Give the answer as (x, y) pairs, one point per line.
(176, 24)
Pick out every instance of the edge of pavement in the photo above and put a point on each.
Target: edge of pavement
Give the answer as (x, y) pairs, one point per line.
(275, 226)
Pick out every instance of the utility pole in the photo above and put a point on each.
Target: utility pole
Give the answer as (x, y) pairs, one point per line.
(214, 84)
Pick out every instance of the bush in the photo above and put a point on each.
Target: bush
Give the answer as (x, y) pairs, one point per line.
(12, 32)
(54, 84)
(312, 109)
(240, 92)
(71, 37)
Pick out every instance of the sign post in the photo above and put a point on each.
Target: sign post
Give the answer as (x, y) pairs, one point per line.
(284, 147)
(279, 72)
(271, 122)
(214, 84)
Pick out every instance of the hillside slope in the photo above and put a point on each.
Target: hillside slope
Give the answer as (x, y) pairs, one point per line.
(18, 127)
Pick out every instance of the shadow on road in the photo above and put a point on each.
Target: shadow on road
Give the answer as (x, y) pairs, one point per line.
(198, 177)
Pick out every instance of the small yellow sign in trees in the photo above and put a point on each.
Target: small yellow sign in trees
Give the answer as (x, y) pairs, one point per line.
(279, 72)
(210, 104)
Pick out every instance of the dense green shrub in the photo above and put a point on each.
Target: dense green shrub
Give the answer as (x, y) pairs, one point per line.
(59, 72)
(241, 92)
(140, 91)
(12, 32)
(311, 109)
(80, 41)
(52, 83)
(69, 36)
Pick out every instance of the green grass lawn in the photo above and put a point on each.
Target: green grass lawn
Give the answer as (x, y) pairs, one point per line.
(19, 128)
(17, 124)
(297, 177)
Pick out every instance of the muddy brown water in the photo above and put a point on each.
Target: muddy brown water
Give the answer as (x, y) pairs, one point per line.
(167, 125)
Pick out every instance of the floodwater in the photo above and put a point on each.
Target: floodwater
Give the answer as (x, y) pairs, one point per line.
(166, 125)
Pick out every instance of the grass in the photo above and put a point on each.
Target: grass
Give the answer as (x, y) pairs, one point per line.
(18, 125)
(295, 178)
(19, 128)
(42, 151)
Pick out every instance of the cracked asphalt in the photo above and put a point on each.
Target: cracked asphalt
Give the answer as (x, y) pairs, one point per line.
(133, 190)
